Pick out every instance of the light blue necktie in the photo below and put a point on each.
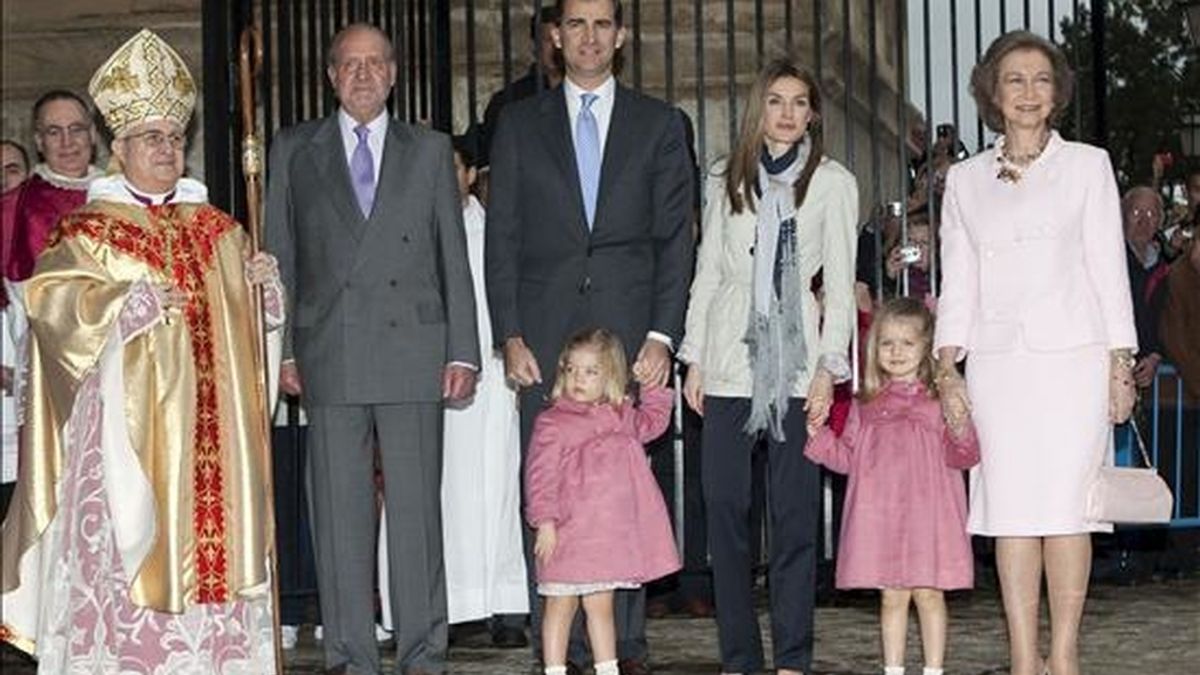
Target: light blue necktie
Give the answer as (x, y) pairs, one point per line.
(362, 171)
(587, 156)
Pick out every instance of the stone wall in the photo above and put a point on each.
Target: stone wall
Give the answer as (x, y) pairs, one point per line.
(58, 44)
(844, 114)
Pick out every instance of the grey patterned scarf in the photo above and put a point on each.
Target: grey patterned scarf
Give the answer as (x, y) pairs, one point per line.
(775, 335)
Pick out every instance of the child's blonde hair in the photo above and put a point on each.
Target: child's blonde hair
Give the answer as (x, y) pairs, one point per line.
(898, 309)
(612, 360)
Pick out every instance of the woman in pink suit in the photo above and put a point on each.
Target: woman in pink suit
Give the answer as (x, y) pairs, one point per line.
(1036, 297)
(600, 518)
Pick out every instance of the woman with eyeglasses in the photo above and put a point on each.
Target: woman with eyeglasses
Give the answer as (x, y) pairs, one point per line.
(143, 470)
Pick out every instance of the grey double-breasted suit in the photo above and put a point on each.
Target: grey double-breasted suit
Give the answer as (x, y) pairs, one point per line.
(379, 306)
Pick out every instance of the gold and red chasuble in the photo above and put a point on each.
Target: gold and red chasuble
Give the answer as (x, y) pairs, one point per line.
(192, 397)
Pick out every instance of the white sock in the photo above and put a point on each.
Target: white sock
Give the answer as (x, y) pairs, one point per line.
(931, 671)
(893, 670)
(607, 668)
(556, 670)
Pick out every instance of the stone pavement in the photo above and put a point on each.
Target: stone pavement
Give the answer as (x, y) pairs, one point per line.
(1152, 628)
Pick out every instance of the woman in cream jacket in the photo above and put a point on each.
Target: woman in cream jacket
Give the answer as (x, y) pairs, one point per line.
(761, 354)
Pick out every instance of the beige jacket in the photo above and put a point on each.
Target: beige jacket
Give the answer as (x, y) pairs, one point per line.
(719, 309)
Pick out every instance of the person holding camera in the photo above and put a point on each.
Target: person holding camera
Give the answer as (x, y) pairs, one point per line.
(1180, 323)
(911, 255)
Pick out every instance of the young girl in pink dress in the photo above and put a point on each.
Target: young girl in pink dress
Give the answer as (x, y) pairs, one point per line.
(904, 522)
(600, 518)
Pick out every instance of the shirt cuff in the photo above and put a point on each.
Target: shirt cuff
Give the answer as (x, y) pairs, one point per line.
(464, 364)
(661, 337)
(837, 365)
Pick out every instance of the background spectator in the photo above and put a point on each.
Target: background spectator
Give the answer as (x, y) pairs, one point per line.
(14, 162)
(1141, 215)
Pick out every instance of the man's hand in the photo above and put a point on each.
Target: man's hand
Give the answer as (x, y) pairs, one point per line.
(520, 367)
(1146, 368)
(171, 297)
(546, 542)
(289, 379)
(458, 382)
(653, 365)
(261, 268)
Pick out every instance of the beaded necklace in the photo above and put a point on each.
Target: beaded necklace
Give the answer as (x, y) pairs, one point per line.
(1012, 166)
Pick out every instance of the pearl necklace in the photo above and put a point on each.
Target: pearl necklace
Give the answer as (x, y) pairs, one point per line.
(1012, 166)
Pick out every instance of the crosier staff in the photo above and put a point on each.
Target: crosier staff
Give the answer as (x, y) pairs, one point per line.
(249, 64)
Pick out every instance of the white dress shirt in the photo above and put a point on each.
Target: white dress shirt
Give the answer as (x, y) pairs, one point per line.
(602, 107)
(377, 129)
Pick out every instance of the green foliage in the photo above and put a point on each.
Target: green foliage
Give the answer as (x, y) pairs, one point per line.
(1153, 81)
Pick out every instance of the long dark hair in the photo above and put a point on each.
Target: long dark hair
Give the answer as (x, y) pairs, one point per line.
(741, 174)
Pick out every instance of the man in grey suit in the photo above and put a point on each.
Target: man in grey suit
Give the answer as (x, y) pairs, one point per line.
(381, 331)
(589, 224)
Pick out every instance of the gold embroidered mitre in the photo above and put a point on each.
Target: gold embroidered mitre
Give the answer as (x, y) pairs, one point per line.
(144, 80)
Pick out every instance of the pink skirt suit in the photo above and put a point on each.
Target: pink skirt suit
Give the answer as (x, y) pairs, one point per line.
(1035, 294)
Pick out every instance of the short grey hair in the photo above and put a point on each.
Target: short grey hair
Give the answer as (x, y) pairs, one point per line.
(336, 43)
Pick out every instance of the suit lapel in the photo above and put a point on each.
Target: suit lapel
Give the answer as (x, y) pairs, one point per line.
(330, 155)
(618, 145)
(393, 186)
(395, 173)
(561, 147)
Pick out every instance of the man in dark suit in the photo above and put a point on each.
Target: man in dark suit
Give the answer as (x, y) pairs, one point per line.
(364, 217)
(589, 224)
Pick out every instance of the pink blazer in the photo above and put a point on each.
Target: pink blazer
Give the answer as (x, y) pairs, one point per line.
(1039, 262)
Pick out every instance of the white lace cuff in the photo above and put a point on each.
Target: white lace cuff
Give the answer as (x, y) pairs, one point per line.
(141, 312)
(272, 298)
(837, 365)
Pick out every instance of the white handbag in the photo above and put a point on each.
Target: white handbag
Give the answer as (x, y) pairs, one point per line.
(1121, 494)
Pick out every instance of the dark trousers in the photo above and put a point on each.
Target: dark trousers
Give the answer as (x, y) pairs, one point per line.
(293, 534)
(6, 493)
(629, 608)
(793, 501)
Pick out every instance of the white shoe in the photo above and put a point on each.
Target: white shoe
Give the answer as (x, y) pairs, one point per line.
(382, 634)
(318, 633)
(288, 635)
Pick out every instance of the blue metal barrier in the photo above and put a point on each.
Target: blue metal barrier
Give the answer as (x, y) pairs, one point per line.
(1171, 427)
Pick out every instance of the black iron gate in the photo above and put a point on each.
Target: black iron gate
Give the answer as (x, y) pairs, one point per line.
(891, 71)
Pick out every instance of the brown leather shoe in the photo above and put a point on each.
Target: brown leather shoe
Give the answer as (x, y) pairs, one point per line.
(657, 609)
(633, 667)
(699, 609)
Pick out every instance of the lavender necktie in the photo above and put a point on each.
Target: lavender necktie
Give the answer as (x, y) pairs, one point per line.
(362, 171)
